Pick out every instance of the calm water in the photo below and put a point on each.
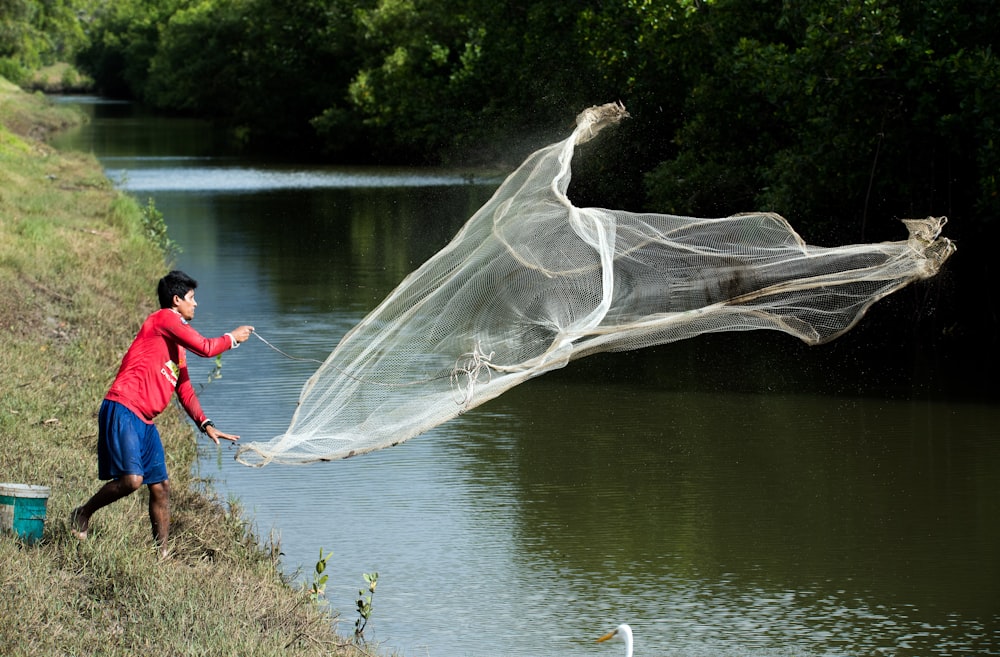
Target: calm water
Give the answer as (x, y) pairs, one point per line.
(734, 495)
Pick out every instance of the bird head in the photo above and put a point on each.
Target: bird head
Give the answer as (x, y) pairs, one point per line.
(621, 633)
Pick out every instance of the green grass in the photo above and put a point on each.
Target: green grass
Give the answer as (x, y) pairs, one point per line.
(77, 276)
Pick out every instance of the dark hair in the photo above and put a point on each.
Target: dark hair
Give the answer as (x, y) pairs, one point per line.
(176, 283)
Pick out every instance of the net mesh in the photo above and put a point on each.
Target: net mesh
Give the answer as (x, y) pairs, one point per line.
(532, 282)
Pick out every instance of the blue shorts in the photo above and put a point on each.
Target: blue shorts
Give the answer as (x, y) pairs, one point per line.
(128, 446)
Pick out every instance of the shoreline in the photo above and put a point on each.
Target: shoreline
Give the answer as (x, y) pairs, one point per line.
(77, 276)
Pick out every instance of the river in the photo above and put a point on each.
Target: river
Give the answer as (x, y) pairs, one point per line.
(731, 495)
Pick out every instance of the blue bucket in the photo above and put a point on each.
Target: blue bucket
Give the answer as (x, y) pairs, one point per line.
(22, 510)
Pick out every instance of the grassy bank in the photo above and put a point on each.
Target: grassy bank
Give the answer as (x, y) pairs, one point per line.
(77, 276)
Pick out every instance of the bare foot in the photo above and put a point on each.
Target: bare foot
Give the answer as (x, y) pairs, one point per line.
(78, 524)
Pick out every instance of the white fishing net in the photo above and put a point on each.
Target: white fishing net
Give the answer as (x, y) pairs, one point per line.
(532, 282)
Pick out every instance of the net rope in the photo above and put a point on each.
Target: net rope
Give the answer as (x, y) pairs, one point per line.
(532, 282)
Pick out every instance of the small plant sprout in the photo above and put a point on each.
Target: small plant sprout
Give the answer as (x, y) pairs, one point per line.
(156, 230)
(365, 605)
(216, 372)
(318, 587)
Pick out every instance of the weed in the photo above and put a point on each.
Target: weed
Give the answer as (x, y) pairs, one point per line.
(216, 372)
(156, 230)
(318, 588)
(365, 605)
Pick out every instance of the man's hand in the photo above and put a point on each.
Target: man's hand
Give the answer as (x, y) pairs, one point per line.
(241, 334)
(215, 434)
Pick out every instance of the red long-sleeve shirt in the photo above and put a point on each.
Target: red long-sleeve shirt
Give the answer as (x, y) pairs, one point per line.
(156, 365)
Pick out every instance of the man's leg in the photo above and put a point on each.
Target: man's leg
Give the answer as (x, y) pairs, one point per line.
(159, 514)
(110, 492)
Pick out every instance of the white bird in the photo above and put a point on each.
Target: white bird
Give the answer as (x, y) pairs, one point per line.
(621, 633)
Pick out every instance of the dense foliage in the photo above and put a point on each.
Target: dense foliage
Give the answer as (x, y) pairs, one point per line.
(854, 109)
(36, 33)
(866, 108)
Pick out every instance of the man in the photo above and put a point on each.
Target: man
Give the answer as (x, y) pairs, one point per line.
(129, 450)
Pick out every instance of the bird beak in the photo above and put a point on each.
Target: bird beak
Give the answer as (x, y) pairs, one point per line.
(607, 636)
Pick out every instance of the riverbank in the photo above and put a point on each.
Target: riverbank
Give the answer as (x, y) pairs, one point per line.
(77, 276)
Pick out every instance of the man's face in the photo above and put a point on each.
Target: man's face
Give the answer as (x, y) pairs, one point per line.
(186, 305)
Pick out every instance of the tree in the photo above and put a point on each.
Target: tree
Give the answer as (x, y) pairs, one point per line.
(123, 40)
(416, 56)
(39, 33)
(843, 114)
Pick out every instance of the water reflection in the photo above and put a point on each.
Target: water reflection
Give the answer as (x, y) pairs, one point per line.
(783, 525)
(731, 495)
(821, 478)
(326, 250)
